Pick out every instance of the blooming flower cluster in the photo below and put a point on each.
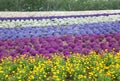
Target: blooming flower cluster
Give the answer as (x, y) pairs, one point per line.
(74, 29)
(56, 21)
(63, 44)
(77, 48)
(76, 67)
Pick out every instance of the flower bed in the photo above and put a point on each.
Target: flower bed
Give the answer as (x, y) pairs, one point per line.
(58, 68)
(56, 21)
(34, 37)
(63, 44)
(74, 29)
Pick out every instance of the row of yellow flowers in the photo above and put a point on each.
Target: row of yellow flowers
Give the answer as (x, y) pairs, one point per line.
(76, 67)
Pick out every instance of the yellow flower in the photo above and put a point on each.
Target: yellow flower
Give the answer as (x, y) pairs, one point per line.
(56, 78)
(117, 66)
(84, 70)
(118, 53)
(48, 78)
(13, 71)
(64, 75)
(0, 67)
(108, 73)
(113, 76)
(45, 76)
(97, 68)
(57, 71)
(18, 77)
(54, 73)
(100, 71)
(106, 68)
(39, 77)
(19, 80)
(6, 76)
(80, 76)
(32, 77)
(1, 71)
(91, 73)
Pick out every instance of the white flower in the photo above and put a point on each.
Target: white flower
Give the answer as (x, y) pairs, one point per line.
(61, 21)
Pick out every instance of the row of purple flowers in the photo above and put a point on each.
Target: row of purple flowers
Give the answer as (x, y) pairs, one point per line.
(62, 45)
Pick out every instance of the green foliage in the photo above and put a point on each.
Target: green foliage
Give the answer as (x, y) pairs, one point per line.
(77, 67)
(58, 5)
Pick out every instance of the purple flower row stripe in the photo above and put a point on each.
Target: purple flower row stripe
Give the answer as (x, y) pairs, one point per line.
(62, 45)
(75, 29)
(51, 17)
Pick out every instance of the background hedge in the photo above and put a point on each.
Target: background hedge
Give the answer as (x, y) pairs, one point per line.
(58, 5)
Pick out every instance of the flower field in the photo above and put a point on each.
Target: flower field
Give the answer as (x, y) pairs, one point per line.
(60, 48)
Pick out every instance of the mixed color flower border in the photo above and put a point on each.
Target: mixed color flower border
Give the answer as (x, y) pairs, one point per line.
(77, 48)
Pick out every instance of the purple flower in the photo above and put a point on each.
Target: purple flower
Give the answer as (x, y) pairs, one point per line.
(60, 49)
(27, 48)
(70, 49)
(104, 46)
(116, 36)
(65, 47)
(71, 44)
(85, 37)
(1, 43)
(52, 50)
(77, 49)
(37, 47)
(13, 53)
(108, 38)
(3, 53)
(41, 50)
(58, 41)
(78, 37)
(33, 52)
(84, 45)
(117, 48)
(66, 52)
(85, 51)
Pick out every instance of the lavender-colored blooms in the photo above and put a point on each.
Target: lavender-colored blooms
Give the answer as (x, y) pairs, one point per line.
(76, 29)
